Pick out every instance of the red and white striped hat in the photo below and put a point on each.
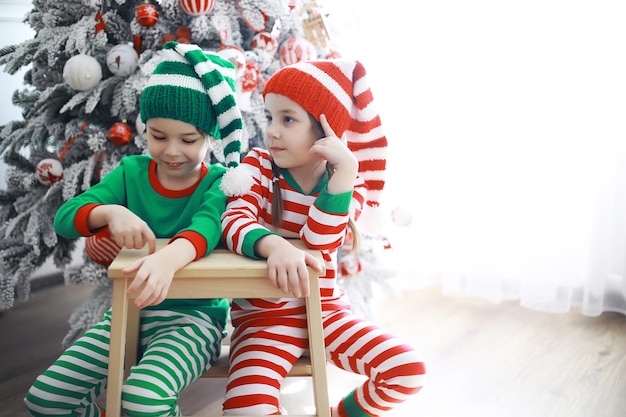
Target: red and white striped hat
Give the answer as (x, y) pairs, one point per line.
(339, 89)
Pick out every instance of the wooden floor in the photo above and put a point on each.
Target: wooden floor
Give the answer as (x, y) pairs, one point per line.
(483, 359)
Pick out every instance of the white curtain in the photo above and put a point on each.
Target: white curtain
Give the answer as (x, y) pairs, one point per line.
(506, 122)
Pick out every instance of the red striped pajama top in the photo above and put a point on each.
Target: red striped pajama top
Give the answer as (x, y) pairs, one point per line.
(319, 219)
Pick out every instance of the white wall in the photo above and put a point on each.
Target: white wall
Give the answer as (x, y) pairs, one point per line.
(13, 31)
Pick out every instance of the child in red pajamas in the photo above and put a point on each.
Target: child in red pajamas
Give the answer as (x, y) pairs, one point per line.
(311, 185)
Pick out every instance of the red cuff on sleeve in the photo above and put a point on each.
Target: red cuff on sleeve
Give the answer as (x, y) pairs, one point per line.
(196, 239)
(80, 221)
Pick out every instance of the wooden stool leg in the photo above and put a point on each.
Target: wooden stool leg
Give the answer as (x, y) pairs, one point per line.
(119, 315)
(318, 351)
(132, 337)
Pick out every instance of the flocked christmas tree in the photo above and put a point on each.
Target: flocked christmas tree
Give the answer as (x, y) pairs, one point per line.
(88, 63)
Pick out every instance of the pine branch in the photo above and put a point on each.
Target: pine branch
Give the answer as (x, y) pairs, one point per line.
(6, 50)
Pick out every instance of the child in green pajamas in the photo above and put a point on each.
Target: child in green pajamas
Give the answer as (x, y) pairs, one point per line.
(171, 193)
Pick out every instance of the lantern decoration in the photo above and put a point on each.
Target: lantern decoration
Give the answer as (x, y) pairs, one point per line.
(236, 56)
(120, 133)
(100, 248)
(197, 7)
(314, 25)
(122, 60)
(49, 171)
(264, 41)
(82, 72)
(147, 14)
(296, 49)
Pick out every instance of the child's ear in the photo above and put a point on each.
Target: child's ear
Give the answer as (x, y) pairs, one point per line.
(209, 146)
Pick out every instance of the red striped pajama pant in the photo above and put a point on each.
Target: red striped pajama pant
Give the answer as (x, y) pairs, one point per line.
(265, 345)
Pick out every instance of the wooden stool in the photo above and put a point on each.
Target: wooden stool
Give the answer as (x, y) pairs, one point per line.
(221, 274)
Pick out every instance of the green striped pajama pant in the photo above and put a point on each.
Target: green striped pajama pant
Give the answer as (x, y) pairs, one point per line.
(177, 345)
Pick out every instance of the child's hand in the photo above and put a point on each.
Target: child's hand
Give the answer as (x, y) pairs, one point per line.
(287, 266)
(340, 157)
(129, 230)
(153, 275)
(333, 150)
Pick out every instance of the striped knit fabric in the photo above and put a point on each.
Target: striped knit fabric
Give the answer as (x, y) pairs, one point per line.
(340, 90)
(302, 219)
(196, 87)
(71, 385)
(100, 248)
(270, 334)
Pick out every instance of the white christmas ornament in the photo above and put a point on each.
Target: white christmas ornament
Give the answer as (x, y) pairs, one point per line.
(296, 49)
(372, 221)
(49, 171)
(122, 60)
(82, 72)
(265, 42)
(401, 216)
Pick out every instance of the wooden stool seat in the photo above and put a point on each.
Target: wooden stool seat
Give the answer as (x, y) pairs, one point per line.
(221, 274)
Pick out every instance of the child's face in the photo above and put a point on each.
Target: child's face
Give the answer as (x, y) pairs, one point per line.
(178, 149)
(290, 132)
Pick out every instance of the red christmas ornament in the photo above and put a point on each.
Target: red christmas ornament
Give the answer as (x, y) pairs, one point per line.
(120, 133)
(101, 248)
(167, 37)
(147, 14)
(49, 171)
(183, 32)
(252, 77)
(350, 265)
(197, 7)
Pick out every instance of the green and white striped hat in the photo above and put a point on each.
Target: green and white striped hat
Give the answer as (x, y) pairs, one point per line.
(196, 87)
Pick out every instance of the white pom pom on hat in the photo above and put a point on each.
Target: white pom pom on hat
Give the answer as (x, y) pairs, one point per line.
(237, 181)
